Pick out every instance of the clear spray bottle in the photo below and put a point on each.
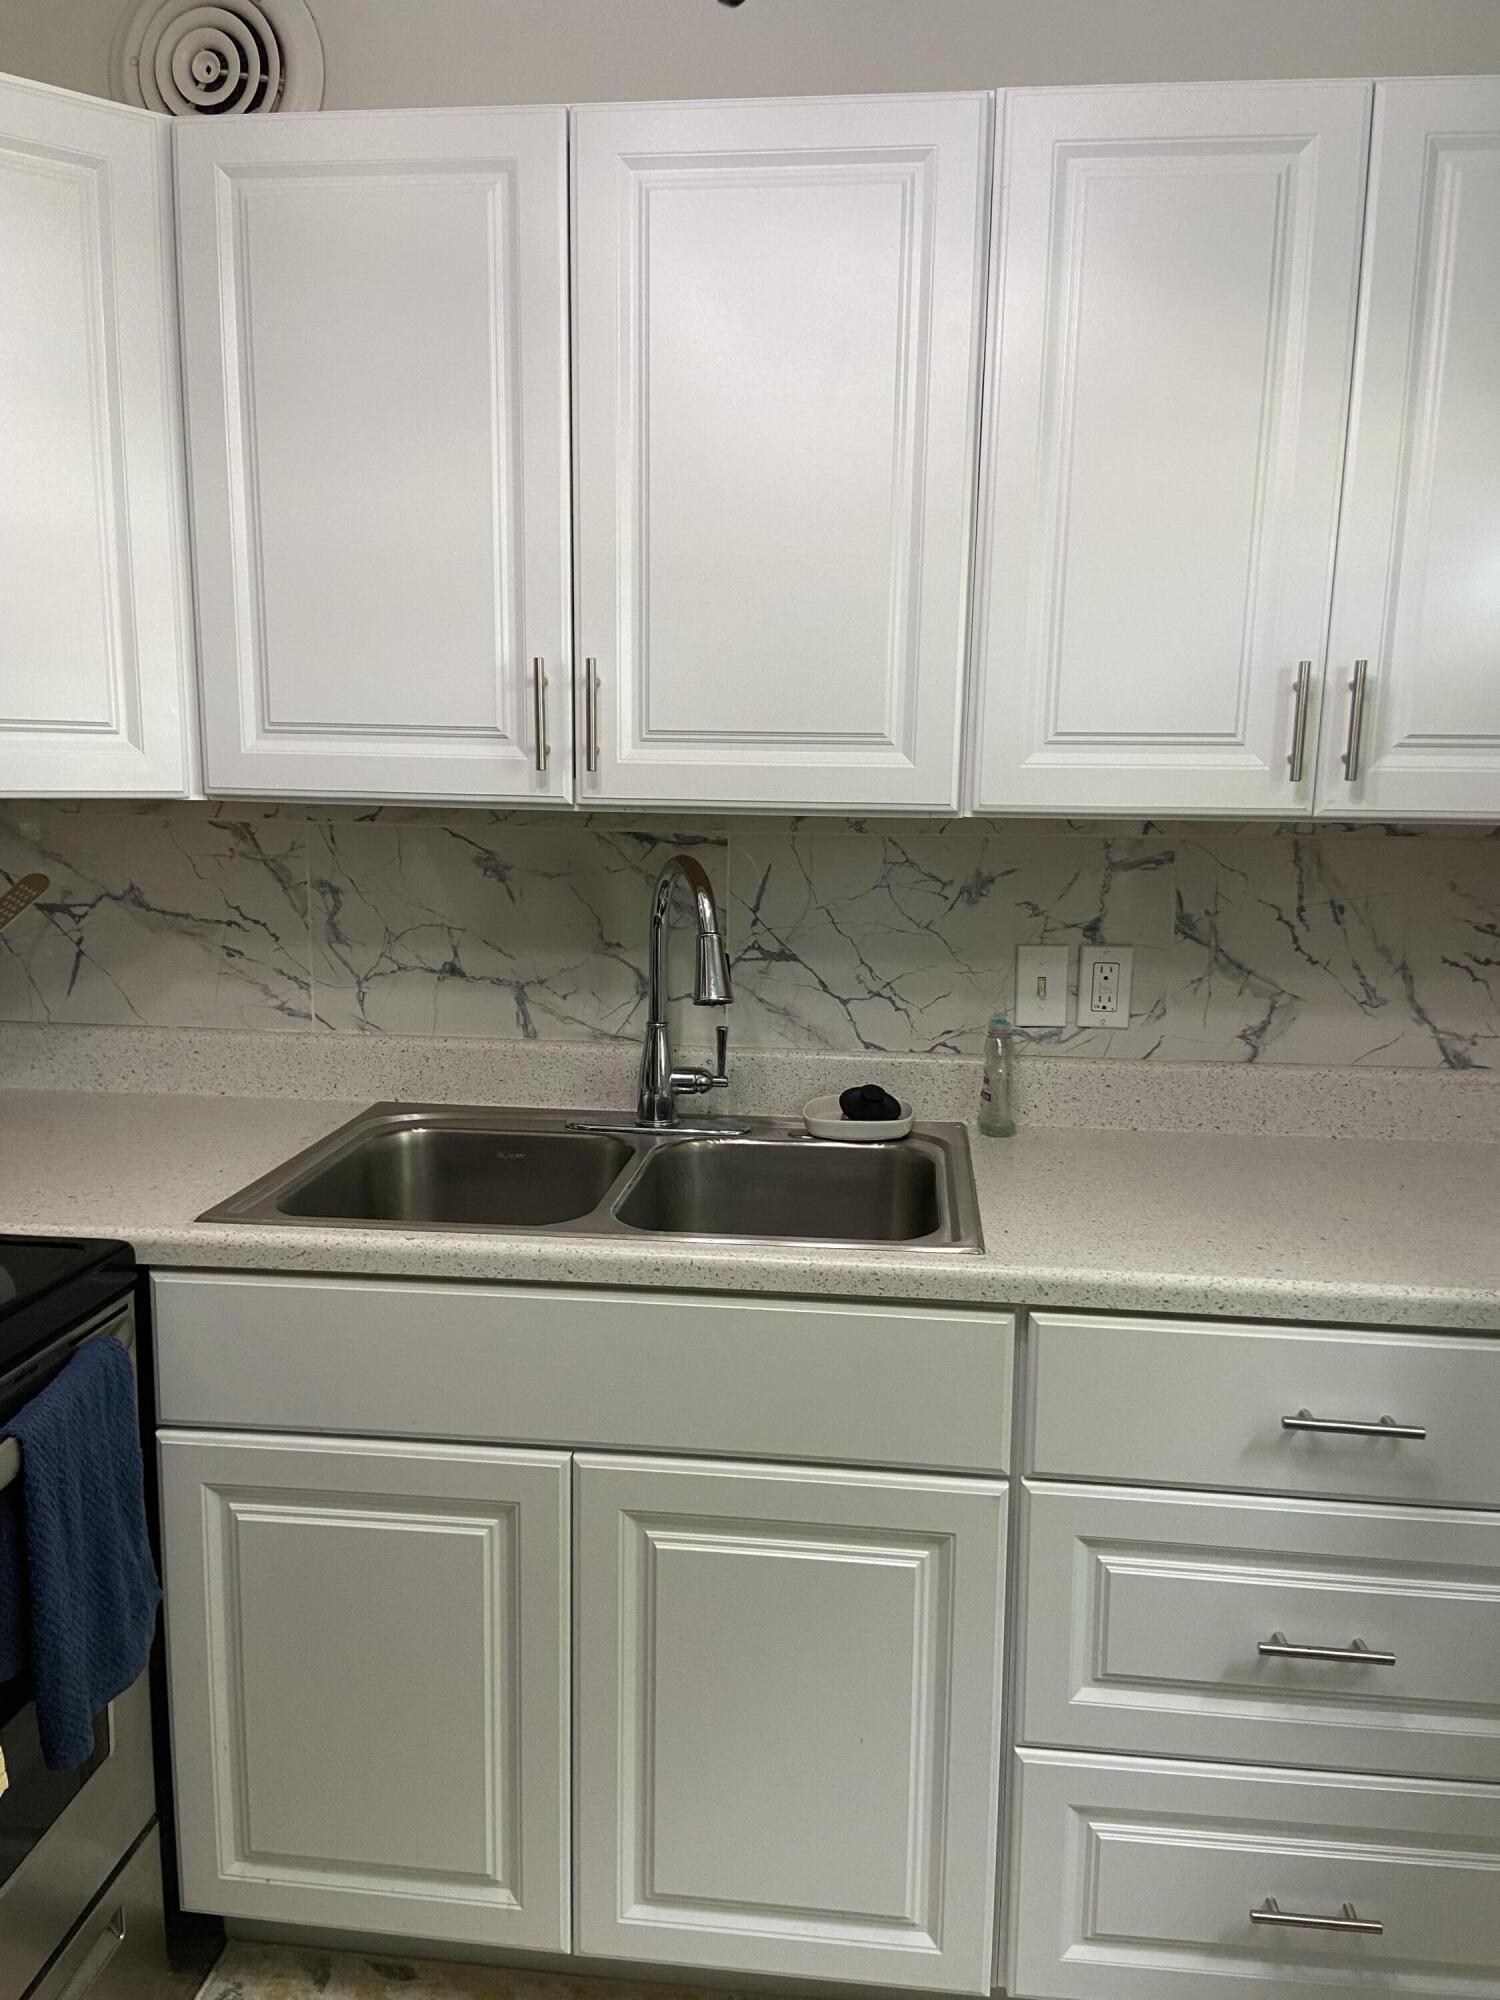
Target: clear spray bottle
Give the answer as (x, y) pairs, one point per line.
(996, 1109)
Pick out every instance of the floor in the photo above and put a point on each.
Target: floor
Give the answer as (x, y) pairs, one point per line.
(283, 1972)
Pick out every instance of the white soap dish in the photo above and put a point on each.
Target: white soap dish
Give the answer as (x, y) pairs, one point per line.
(824, 1120)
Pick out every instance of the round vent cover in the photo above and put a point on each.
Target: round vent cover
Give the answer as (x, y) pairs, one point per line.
(225, 57)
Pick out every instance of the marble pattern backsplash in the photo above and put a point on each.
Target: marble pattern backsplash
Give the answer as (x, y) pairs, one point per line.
(1327, 945)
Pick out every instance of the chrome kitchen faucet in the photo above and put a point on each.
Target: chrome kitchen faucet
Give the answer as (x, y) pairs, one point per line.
(661, 1085)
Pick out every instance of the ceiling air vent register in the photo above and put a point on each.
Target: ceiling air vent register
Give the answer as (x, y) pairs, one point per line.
(224, 59)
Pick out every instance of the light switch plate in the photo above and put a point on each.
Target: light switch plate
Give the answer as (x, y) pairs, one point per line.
(1041, 986)
(1104, 985)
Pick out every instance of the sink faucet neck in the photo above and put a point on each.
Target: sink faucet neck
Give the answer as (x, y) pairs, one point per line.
(660, 1083)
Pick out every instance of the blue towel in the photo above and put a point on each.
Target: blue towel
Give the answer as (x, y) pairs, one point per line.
(91, 1588)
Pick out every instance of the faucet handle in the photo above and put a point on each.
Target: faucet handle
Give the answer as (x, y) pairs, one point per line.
(693, 1082)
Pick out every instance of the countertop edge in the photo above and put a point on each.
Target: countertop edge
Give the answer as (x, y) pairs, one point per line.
(956, 1280)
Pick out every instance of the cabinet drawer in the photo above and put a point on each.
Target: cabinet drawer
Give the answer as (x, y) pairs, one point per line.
(1135, 1880)
(1146, 1612)
(1194, 1403)
(794, 1379)
(119, 1949)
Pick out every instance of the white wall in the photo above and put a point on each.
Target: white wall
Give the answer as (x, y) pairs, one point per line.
(520, 51)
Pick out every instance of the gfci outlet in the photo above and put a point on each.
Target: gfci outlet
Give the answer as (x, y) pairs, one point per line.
(1104, 985)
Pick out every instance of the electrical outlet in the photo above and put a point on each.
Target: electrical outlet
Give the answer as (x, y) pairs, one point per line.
(1104, 985)
(1041, 986)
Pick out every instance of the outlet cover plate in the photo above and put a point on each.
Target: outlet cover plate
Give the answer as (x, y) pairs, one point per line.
(1104, 985)
(1041, 986)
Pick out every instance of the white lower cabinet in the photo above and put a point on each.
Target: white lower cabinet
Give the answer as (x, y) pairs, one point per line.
(368, 1656)
(1272, 1632)
(1136, 1879)
(745, 1717)
(788, 1719)
(788, 1685)
(784, 1700)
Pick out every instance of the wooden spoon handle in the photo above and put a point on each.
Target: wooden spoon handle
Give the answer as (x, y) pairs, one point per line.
(20, 896)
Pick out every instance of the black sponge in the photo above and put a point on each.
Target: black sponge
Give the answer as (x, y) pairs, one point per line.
(867, 1103)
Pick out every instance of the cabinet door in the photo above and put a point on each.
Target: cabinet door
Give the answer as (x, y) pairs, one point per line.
(788, 1720)
(368, 1665)
(1172, 328)
(777, 318)
(1418, 596)
(374, 311)
(95, 664)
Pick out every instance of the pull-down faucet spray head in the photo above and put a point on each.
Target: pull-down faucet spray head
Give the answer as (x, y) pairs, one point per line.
(711, 988)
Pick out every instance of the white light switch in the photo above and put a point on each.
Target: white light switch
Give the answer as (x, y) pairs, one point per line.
(1041, 986)
(1104, 985)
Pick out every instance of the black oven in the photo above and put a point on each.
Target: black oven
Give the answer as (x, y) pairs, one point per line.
(66, 1837)
(34, 1798)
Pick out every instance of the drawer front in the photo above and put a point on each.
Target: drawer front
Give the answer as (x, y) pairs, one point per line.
(1193, 1403)
(850, 1384)
(1135, 1880)
(119, 1950)
(1147, 1612)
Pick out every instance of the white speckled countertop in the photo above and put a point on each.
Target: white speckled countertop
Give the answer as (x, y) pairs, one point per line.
(1376, 1231)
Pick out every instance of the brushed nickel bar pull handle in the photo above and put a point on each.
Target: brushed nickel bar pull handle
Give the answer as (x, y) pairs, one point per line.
(1271, 1912)
(539, 712)
(1357, 1654)
(591, 716)
(1385, 1427)
(1356, 719)
(1297, 762)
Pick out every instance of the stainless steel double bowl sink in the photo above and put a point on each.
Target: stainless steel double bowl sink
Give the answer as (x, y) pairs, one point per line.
(400, 1166)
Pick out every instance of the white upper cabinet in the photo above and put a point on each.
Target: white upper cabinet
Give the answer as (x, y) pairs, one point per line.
(1418, 595)
(1171, 333)
(95, 663)
(777, 312)
(375, 325)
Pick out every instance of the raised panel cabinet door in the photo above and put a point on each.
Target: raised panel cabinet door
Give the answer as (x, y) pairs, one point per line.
(1414, 657)
(375, 329)
(368, 1661)
(95, 649)
(1171, 330)
(788, 1697)
(777, 311)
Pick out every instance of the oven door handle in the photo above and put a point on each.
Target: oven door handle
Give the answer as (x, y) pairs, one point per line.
(10, 1451)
